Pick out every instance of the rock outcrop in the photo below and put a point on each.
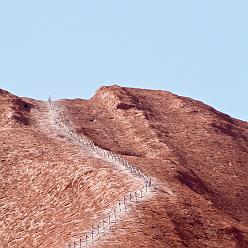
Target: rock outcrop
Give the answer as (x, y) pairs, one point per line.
(51, 190)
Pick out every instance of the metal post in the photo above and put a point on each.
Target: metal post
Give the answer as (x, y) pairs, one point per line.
(86, 238)
(146, 187)
(124, 201)
(136, 197)
(130, 197)
(141, 193)
(92, 234)
(80, 243)
(150, 182)
(120, 206)
(115, 216)
(98, 229)
(109, 218)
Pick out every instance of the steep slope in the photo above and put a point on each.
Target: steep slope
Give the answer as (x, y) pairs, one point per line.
(198, 152)
(52, 190)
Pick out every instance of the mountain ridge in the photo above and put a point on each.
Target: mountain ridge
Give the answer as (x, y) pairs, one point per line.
(198, 154)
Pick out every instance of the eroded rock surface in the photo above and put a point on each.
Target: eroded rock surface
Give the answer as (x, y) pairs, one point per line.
(51, 190)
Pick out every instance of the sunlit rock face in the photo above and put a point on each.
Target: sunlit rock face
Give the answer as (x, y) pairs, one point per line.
(52, 190)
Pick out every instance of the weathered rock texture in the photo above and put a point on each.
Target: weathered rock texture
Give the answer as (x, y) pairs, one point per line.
(51, 190)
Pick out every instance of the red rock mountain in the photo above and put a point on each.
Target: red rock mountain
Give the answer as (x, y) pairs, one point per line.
(53, 190)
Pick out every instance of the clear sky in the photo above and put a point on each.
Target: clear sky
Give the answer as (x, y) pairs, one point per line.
(67, 49)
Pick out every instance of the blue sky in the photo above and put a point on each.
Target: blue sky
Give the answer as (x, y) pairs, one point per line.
(68, 49)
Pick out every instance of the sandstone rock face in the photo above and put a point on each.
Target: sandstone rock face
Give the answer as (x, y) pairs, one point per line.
(52, 190)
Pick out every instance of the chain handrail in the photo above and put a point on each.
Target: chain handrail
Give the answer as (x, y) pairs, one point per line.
(127, 200)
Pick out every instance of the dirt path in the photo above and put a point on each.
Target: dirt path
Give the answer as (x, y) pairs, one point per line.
(56, 123)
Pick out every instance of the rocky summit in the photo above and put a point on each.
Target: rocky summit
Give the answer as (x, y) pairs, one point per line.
(127, 168)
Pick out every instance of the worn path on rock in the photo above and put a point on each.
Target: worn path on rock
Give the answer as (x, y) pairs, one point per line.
(117, 212)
